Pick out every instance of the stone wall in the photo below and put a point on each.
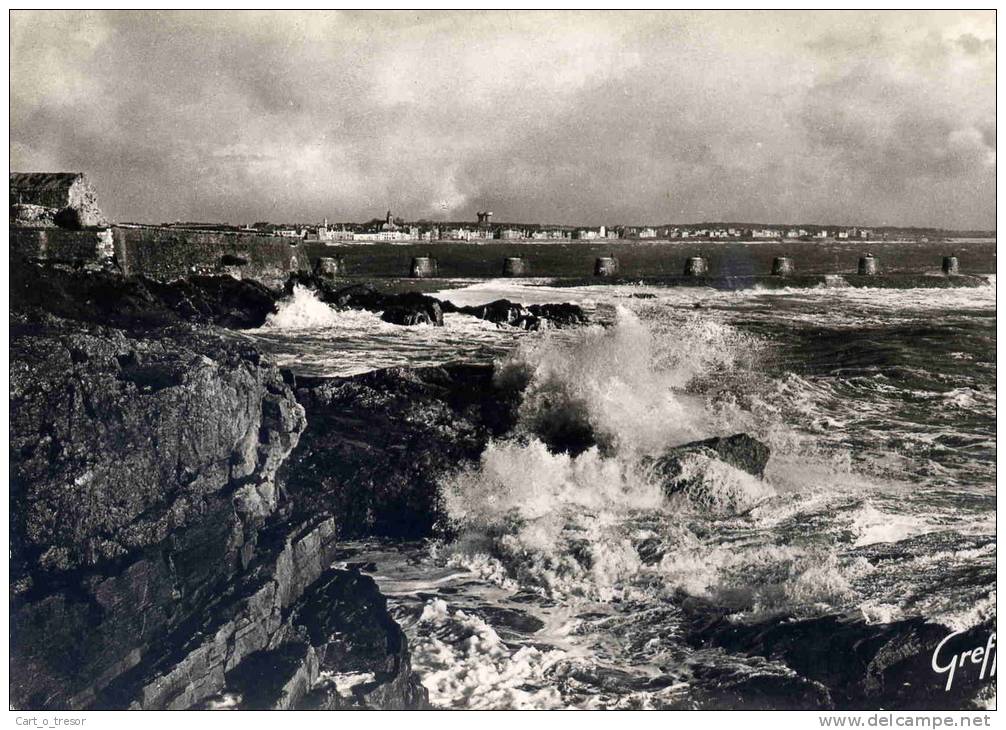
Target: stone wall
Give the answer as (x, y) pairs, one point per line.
(165, 255)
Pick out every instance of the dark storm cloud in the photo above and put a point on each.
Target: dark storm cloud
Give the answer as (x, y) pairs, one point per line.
(575, 117)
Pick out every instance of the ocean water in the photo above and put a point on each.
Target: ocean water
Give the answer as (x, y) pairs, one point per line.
(568, 581)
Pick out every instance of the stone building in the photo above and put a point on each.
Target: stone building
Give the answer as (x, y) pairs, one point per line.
(65, 198)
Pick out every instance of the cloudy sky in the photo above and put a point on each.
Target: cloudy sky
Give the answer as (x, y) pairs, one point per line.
(841, 117)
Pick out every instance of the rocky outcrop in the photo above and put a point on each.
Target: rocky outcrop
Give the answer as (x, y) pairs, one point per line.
(740, 451)
(377, 443)
(863, 666)
(157, 560)
(132, 459)
(136, 303)
(712, 475)
(346, 620)
(533, 317)
(413, 314)
(413, 308)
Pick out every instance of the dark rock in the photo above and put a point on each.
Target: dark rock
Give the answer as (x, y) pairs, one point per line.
(136, 303)
(426, 313)
(533, 317)
(503, 311)
(377, 443)
(740, 451)
(346, 620)
(229, 259)
(763, 687)
(274, 679)
(678, 472)
(863, 666)
(408, 307)
(156, 558)
(559, 315)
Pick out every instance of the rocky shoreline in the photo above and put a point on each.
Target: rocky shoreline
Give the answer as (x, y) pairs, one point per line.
(144, 441)
(177, 504)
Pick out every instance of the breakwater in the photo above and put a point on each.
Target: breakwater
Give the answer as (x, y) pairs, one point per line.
(775, 281)
(169, 254)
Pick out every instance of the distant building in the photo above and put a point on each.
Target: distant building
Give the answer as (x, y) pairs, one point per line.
(765, 233)
(589, 234)
(821, 234)
(647, 233)
(550, 234)
(511, 234)
(458, 234)
(339, 235)
(841, 234)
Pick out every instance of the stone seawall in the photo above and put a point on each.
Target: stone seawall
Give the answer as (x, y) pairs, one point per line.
(166, 254)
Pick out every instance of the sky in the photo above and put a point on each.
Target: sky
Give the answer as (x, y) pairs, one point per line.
(587, 118)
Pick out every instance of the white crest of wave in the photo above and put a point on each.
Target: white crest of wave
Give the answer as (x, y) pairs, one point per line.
(569, 525)
(302, 310)
(627, 383)
(465, 664)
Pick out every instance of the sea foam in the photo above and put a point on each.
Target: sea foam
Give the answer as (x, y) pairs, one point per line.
(302, 310)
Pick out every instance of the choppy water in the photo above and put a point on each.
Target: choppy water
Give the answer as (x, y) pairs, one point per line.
(566, 584)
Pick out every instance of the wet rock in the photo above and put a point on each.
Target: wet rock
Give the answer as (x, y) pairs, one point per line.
(559, 315)
(503, 311)
(275, 679)
(739, 451)
(863, 666)
(425, 313)
(706, 473)
(406, 308)
(346, 620)
(110, 299)
(533, 317)
(762, 686)
(377, 443)
(157, 559)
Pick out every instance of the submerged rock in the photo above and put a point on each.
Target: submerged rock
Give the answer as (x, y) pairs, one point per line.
(739, 451)
(713, 473)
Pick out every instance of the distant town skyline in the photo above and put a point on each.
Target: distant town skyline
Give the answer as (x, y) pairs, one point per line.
(568, 118)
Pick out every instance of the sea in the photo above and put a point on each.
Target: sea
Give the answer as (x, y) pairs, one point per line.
(567, 580)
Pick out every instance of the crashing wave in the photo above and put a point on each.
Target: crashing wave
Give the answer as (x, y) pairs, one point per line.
(302, 310)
